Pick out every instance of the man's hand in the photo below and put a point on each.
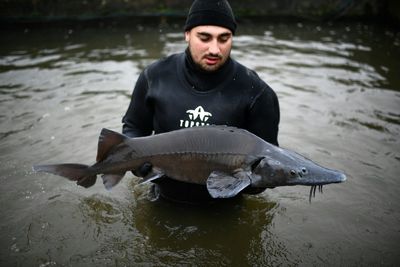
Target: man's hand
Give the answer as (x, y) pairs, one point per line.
(143, 170)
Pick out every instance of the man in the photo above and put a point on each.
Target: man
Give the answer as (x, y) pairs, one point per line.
(201, 86)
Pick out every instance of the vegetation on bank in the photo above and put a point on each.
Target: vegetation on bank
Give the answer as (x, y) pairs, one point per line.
(45, 10)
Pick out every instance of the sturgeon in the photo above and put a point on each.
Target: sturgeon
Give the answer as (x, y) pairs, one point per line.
(225, 159)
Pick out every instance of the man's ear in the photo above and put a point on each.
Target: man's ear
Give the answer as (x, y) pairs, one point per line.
(187, 36)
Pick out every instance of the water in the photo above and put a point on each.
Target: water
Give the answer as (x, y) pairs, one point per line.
(338, 87)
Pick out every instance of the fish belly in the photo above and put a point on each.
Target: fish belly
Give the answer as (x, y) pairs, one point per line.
(196, 167)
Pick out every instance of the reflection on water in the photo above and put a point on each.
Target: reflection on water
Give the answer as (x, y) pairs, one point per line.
(200, 234)
(338, 87)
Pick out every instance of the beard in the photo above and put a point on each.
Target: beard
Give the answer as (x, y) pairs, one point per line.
(209, 62)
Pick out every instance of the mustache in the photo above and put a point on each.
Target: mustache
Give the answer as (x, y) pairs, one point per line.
(210, 55)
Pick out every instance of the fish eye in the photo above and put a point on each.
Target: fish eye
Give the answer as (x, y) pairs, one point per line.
(292, 172)
(303, 170)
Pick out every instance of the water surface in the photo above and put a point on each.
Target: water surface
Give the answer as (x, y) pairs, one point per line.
(338, 86)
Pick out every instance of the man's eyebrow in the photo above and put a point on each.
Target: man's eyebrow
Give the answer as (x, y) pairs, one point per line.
(224, 34)
(204, 33)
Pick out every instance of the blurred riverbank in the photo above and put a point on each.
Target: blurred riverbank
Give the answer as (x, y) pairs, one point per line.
(33, 11)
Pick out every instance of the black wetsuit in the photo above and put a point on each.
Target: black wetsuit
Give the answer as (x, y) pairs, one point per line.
(173, 93)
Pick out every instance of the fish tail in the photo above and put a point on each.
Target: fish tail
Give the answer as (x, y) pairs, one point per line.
(74, 172)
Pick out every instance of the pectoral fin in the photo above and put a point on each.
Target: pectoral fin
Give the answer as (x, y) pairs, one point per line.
(110, 180)
(154, 174)
(222, 185)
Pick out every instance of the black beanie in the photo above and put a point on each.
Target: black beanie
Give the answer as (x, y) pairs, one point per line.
(211, 12)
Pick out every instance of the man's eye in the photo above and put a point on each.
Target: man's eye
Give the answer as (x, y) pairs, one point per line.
(204, 38)
(223, 39)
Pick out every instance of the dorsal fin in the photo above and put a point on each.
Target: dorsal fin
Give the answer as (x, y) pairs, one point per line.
(107, 140)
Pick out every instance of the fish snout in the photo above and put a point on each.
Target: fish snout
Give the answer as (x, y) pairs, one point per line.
(342, 177)
(332, 177)
(320, 176)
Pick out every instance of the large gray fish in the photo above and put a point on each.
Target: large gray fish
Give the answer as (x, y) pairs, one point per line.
(224, 159)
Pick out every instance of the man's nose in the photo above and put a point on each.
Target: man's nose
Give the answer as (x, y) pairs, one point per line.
(214, 47)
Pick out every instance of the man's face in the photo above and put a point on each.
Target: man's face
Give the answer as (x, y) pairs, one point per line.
(210, 46)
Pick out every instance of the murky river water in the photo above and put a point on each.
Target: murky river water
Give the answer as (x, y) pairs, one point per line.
(338, 87)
